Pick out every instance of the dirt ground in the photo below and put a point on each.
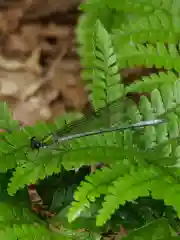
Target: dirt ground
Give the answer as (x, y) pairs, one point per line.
(39, 66)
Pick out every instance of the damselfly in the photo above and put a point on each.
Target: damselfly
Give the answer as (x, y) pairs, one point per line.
(40, 161)
(36, 144)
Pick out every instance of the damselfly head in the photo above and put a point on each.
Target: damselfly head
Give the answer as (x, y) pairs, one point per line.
(35, 144)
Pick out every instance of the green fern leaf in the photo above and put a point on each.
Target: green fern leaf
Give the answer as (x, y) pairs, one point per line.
(11, 213)
(105, 85)
(152, 82)
(129, 187)
(37, 165)
(29, 232)
(158, 229)
(17, 221)
(141, 7)
(163, 102)
(145, 6)
(13, 149)
(95, 149)
(137, 54)
(92, 188)
(6, 121)
(156, 27)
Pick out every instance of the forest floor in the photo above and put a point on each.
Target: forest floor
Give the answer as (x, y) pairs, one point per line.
(39, 66)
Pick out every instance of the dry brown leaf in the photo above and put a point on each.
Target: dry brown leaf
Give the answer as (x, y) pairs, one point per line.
(52, 30)
(31, 111)
(70, 65)
(31, 64)
(39, 74)
(19, 83)
(71, 89)
(9, 88)
(41, 8)
(11, 100)
(47, 92)
(9, 19)
(58, 109)
(76, 98)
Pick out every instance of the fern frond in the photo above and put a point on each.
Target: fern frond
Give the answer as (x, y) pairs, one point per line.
(139, 183)
(90, 150)
(29, 232)
(130, 183)
(17, 221)
(13, 213)
(37, 165)
(6, 121)
(129, 187)
(156, 229)
(93, 187)
(145, 6)
(149, 83)
(14, 210)
(122, 187)
(157, 27)
(85, 34)
(105, 87)
(163, 102)
(131, 6)
(157, 55)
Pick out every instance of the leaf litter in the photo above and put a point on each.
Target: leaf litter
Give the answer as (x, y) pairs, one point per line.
(39, 69)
